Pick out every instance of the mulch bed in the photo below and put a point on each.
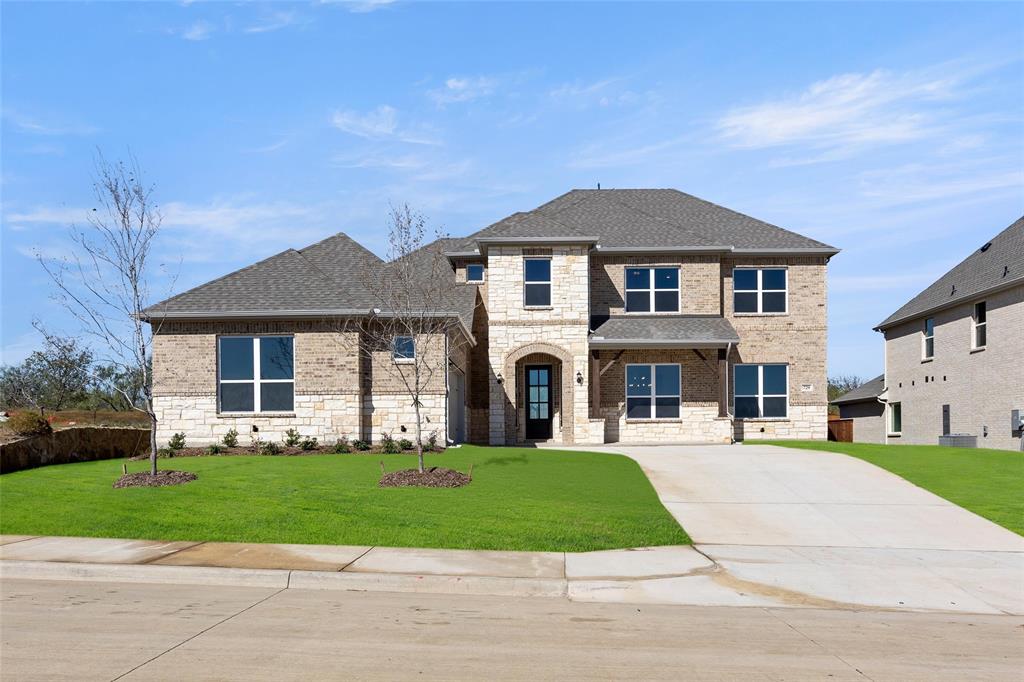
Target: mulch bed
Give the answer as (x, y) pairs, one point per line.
(286, 451)
(433, 477)
(145, 479)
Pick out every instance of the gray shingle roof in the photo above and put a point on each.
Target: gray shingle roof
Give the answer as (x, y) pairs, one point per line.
(997, 264)
(866, 391)
(683, 331)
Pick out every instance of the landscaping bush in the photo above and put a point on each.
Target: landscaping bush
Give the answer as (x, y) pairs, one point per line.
(29, 424)
(361, 445)
(231, 438)
(177, 441)
(164, 453)
(431, 441)
(214, 449)
(341, 446)
(388, 445)
(292, 437)
(309, 444)
(270, 448)
(405, 444)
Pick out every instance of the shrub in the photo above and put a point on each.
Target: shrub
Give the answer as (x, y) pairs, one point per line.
(292, 437)
(270, 448)
(432, 441)
(177, 441)
(309, 444)
(256, 445)
(214, 449)
(361, 445)
(231, 438)
(29, 424)
(164, 453)
(405, 444)
(342, 446)
(388, 445)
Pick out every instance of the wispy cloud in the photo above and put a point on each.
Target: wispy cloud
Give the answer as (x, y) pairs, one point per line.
(199, 30)
(463, 89)
(45, 125)
(600, 156)
(361, 6)
(380, 124)
(267, 148)
(928, 182)
(402, 162)
(274, 21)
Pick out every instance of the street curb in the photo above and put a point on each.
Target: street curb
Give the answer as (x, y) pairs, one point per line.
(437, 584)
(144, 573)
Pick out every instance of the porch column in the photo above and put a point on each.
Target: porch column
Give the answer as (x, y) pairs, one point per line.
(723, 381)
(595, 382)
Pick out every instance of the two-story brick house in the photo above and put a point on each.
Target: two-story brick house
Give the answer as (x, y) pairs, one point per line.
(640, 316)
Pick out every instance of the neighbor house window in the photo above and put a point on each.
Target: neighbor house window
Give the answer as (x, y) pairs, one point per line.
(759, 290)
(928, 350)
(475, 273)
(403, 349)
(895, 418)
(537, 281)
(652, 289)
(256, 373)
(980, 333)
(761, 391)
(652, 391)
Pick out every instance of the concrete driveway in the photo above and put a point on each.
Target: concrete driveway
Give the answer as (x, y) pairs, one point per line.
(806, 526)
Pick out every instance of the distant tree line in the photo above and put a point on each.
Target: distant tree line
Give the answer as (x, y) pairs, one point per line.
(840, 385)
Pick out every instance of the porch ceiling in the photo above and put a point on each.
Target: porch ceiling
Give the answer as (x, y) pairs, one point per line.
(677, 331)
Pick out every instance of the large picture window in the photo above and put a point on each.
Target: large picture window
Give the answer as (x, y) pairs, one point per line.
(256, 373)
(761, 391)
(759, 290)
(653, 391)
(652, 290)
(537, 282)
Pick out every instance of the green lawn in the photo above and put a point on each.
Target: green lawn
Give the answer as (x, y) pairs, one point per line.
(520, 499)
(990, 483)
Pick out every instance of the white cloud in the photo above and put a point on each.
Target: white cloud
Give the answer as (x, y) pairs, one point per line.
(43, 125)
(379, 124)
(273, 22)
(921, 182)
(200, 30)
(362, 6)
(403, 162)
(579, 89)
(463, 89)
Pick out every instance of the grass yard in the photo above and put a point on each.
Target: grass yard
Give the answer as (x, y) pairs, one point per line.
(520, 499)
(990, 483)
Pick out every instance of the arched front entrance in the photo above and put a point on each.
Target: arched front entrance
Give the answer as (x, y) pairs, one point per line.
(542, 396)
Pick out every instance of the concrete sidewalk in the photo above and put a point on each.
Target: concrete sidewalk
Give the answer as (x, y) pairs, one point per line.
(659, 575)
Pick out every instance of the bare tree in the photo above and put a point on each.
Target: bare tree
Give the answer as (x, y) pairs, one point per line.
(105, 283)
(414, 326)
(52, 378)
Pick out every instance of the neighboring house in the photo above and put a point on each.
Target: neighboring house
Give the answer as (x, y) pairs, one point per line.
(953, 353)
(863, 406)
(643, 316)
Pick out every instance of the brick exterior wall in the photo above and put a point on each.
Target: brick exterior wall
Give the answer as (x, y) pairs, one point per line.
(980, 386)
(700, 289)
(868, 421)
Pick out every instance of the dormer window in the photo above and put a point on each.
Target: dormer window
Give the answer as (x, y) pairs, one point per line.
(475, 273)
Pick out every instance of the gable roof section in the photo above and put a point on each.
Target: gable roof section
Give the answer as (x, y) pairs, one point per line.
(865, 392)
(997, 264)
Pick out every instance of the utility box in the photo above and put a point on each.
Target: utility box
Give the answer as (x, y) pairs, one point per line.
(1016, 421)
(959, 440)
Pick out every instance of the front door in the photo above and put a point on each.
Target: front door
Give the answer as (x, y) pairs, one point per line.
(538, 402)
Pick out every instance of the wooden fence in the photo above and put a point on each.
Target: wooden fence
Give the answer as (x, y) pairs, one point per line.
(840, 430)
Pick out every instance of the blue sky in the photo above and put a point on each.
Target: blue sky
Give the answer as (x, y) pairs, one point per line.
(893, 131)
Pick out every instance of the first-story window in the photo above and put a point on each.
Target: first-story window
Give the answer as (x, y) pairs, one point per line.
(652, 391)
(928, 339)
(403, 349)
(652, 290)
(256, 373)
(980, 336)
(761, 391)
(474, 273)
(895, 418)
(537, 282)
(759, 290)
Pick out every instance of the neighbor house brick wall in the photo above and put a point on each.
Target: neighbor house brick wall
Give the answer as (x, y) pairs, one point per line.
(868, 420)
(980, 386)
(797, 338)
(700, 288)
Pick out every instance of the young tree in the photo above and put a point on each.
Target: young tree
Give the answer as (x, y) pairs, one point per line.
(105, 284)
(49, 379)
(414, 325)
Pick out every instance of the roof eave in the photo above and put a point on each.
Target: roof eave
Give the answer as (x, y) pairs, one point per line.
(148, 314)
(601, 342)
(662, 249)
(890, 323)
(808, 251)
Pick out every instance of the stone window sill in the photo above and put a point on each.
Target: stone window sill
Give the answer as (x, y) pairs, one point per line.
(538, 307)
(762, 419)
(894, 435)
(654, 421)
(760, 314)
(924, 360)
(978, 350)
(252, 415)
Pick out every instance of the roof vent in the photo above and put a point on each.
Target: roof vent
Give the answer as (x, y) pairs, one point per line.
(953, 291)
(1006, 270)
(985, 248)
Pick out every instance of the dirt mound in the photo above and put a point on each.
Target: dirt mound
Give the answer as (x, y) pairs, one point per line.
(145, 479)
(433, 477)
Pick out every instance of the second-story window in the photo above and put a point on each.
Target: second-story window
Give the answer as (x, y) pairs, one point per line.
(980, 332)
(928, 347)
(759, 290)
(652, 290)
(537, 282)
(475, 273)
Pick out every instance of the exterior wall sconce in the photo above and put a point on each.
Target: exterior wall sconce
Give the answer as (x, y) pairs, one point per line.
(500, 379)
(579, 378)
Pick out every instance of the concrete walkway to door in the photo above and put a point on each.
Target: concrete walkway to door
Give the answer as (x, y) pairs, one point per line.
(829, 526)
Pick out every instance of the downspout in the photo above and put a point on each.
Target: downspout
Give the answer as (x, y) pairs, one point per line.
(447, 392)
(728, 412)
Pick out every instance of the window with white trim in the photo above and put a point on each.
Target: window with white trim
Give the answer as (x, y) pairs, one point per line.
(653, 391)
(537, 282)
(256, 374)
(928, 339)
(652, 290)
(475, 273)
(979, 331)
(403, 349)
(895, 418)
(761, 391)
(757, 291)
